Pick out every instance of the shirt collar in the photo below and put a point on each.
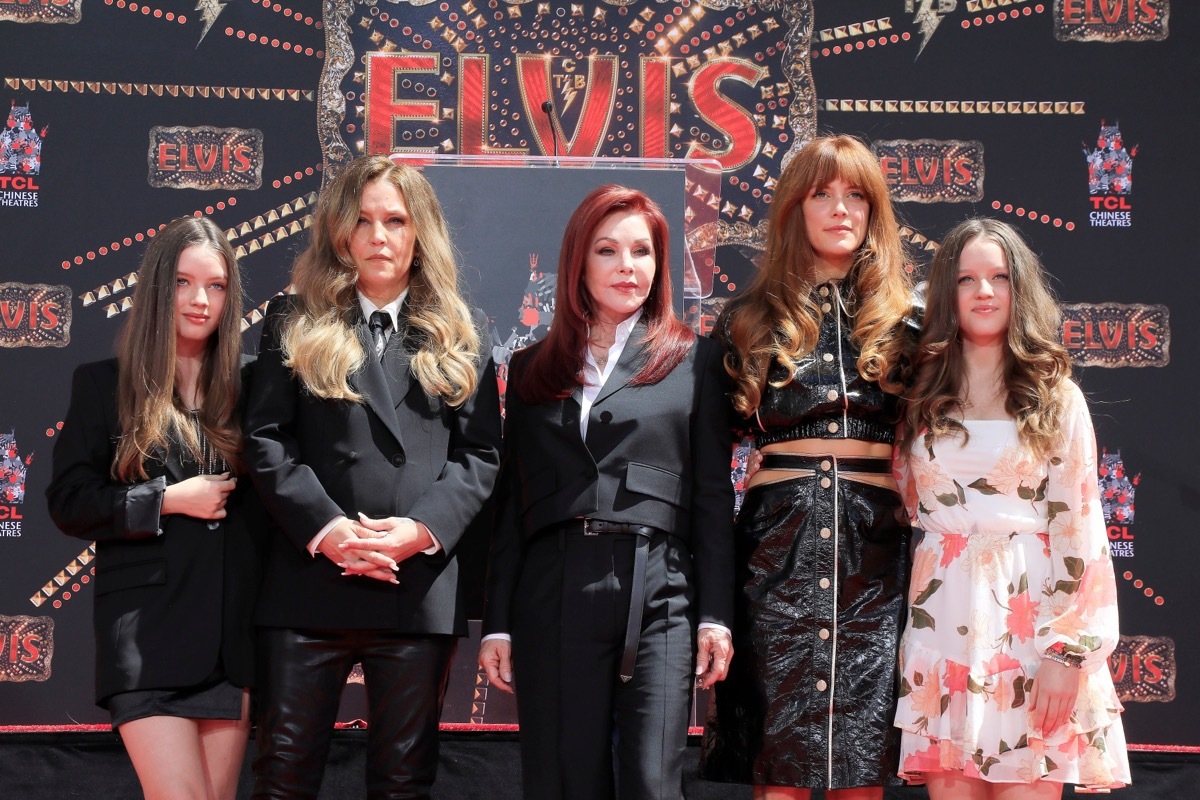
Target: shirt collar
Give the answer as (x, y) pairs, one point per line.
(625, 329)
(392, 309)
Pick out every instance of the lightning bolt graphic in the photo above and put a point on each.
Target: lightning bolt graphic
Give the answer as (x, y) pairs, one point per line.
(568, 95)
(928, 18)
(209, 11)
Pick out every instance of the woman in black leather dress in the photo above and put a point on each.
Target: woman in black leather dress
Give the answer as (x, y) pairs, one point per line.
(814, 345)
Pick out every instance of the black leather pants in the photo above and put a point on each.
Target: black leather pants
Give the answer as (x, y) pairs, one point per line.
(301, 677)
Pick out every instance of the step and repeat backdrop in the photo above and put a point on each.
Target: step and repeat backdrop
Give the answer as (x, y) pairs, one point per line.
(1075, 120)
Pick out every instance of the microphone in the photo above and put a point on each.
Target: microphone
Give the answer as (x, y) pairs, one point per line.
(548, 110)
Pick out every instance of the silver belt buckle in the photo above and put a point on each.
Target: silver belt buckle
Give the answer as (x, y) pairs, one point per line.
(587, 528)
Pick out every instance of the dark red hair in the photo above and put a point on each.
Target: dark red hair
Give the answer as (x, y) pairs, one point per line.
(555, 364)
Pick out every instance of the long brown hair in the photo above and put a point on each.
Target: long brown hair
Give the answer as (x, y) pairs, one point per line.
(776, 317)
(319, 342)
(1035, 363)
(556, 363)
(148, 405)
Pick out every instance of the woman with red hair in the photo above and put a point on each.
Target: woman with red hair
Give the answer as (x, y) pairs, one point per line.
(610, 586)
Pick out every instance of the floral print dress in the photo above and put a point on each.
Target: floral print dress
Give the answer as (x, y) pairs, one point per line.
(1014, 559)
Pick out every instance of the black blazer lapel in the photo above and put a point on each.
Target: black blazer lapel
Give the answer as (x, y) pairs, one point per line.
(402, 345)
(371, 383)
(631, 360)
(172, 465)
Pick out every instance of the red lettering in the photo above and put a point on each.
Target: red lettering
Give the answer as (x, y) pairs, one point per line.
(30, 643)
(1117, 330)
(50, 315)
(1071, 333)
(1108, 12)
(10, 512)
(11, 319)
(242, 155)
(595, 113)
(735, 122)
(1119, 532)
(656, 107)
(927, 175)
(1089, 340)
(1149, 335)
(473, 71)
(206, 157)
(384, 108)
(1154, 669)
(1119, 671)
(963, 167)
(166, 156)
(17, 182)
(184, 164)
(890, 170)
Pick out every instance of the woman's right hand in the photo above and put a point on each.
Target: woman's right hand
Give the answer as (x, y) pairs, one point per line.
(753, 463)
(495, 657)
(202, 497)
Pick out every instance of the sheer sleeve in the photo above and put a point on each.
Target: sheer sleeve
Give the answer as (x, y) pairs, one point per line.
(1079, 609)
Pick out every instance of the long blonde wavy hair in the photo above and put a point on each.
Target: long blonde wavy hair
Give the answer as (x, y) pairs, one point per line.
(148, 406)
(1036, 363)
(776, 317)
(319, 343)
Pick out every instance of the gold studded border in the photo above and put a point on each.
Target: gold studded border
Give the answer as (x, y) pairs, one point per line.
(160, 89)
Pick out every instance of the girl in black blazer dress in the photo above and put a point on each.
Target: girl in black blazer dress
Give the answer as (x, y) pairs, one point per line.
(146, 467)
(612, 564)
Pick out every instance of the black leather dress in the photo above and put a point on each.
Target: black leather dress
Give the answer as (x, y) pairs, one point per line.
(823, 560)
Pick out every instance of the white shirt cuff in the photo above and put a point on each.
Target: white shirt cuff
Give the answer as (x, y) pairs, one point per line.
(716, 626)
(503, 637)
(315, 542)
(434, 548)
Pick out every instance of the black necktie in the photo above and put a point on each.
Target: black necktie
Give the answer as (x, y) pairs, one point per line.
(379, 325)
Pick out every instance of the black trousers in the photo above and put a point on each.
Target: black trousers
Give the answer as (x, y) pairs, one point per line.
(586, 735)
(301, 677)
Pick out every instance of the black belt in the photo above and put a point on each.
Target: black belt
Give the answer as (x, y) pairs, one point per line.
(879, 466)
(637, 589)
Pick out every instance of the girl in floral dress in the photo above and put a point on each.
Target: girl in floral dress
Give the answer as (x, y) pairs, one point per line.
(1005, 689)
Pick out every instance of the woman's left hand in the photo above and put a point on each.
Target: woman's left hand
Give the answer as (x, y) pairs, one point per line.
(714, 651)
(398, 538)
(1052, 700)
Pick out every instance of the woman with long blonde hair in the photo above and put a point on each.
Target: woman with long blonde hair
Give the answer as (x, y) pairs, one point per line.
(1005, 689)
(373, 432)
(816, 347)
(146, 466)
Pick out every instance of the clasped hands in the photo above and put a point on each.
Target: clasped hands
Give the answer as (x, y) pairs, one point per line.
(374, 548)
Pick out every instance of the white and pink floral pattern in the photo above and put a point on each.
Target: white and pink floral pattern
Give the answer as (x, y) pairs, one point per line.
(1014, 559)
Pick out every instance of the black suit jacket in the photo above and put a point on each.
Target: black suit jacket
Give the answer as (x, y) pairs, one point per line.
(408, 456)
(171, 593)
(655, 455)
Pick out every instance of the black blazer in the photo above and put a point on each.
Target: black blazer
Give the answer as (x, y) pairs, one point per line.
(410, 456)
(171, 593)
(655, 455)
